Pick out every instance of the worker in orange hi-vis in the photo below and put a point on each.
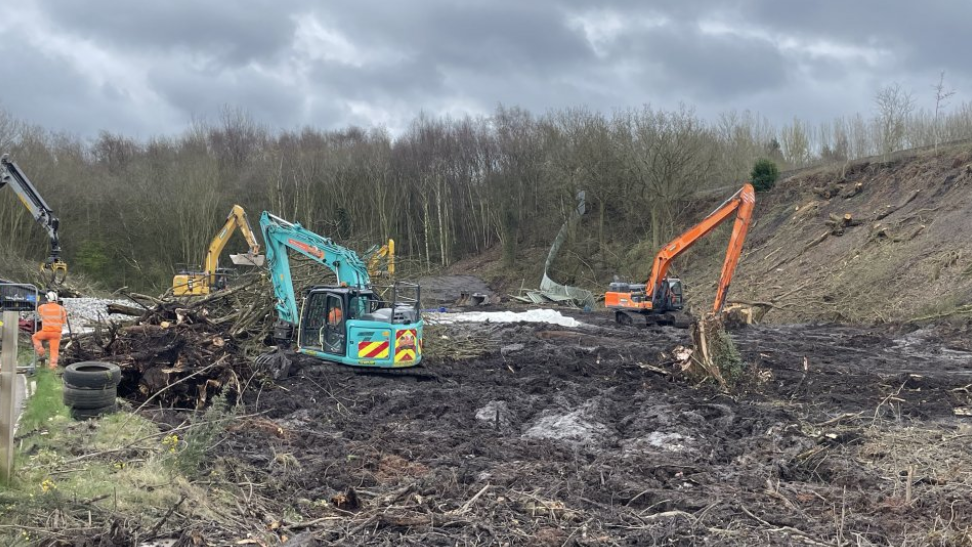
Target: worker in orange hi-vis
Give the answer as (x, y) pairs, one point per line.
(334, 318)
(52, 316)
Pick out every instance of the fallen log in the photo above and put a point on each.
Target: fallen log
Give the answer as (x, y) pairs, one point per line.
(122, 309)
(827, 191)
(839, 223)
(815, 242)
(893, 208)
(853, 191)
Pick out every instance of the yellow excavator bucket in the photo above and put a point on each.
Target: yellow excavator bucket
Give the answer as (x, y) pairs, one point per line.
(248, 259)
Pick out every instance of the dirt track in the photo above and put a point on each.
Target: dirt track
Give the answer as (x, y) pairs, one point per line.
(561, 436)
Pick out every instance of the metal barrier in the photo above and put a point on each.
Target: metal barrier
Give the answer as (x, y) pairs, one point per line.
(22, 298)
(16, 300)
(8, 392)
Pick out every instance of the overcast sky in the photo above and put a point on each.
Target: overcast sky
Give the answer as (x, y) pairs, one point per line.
(150, 67)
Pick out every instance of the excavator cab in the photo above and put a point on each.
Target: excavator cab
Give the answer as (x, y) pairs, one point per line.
(381, 260)
(322, 320)
(671, 295)
(355, 326)
(194, 281)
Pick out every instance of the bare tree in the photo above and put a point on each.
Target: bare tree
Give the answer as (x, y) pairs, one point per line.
(894, 106)
(671, 155)
(796, 144)
(940, 97)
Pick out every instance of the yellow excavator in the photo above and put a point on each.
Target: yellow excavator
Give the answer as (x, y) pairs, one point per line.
(212, 277)
(381, 260)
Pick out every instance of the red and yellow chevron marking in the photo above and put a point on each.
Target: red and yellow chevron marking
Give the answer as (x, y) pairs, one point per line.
(373, 350)
(407, 345)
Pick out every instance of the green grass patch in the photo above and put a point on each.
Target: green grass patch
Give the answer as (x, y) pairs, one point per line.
(117, 465)
(45, 406)
(120, 463)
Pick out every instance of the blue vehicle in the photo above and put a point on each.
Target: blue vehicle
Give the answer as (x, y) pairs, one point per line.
(349, 323)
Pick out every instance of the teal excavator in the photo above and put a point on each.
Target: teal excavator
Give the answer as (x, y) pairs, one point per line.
(348, 323)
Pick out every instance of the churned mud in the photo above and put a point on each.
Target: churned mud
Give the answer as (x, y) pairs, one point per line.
(589, 435)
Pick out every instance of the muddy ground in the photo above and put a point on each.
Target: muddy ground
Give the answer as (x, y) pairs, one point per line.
(560, 436)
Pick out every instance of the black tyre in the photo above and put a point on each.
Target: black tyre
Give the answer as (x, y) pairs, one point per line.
(92, 375)
(88, 413)
(89, 398)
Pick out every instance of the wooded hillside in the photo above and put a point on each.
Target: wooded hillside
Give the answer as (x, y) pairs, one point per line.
(131, 210)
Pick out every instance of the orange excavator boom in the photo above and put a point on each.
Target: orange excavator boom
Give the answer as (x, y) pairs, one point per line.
(741, 203)
(744, 216)
(661, 296)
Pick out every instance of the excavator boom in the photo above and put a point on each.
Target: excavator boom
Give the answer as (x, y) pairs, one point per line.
(10, 174)
(741, 203)
(661, 293)
(744, 214)
(281, 235)
(376, 256)
(349, 323)
(235, 220)
(198, 283)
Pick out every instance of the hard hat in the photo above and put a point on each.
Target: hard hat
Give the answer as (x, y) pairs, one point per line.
(52, 296)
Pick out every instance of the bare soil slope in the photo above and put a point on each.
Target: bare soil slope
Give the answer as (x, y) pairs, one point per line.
(904, 254)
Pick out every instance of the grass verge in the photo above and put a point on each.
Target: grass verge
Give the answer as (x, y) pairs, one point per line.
(75, 476)
(45, 405)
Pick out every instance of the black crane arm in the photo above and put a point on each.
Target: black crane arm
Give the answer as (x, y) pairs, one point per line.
(12, 175)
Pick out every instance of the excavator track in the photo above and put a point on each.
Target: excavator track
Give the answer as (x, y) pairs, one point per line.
(419, 373)
(679, 320)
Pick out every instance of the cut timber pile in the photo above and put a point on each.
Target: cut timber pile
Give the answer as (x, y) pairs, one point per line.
(180, 353)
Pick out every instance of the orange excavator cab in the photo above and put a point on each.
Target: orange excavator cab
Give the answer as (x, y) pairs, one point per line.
(661, 298)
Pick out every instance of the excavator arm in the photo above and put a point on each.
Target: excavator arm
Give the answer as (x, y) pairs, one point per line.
(741, 204)
(375, 256)
(10, 174)
(280, 235)
(235, 220)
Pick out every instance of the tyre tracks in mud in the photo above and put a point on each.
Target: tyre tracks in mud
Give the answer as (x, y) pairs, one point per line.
(574, 433)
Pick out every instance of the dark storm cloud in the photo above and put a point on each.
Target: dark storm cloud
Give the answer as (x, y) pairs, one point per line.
(202, 94)
(152, 67)
(933, 31)
(683, 62)
(235, 32)
(60, 97)
(523, 37)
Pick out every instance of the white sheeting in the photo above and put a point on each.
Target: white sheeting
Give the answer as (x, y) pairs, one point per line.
(530, 316)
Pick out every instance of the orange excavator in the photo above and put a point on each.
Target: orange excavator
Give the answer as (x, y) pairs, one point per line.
(660, 298)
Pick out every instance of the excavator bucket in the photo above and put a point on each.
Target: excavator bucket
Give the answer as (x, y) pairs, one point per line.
(54, 272)
(248, 260)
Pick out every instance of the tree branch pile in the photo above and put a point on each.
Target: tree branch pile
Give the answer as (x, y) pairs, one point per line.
(182, 352)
